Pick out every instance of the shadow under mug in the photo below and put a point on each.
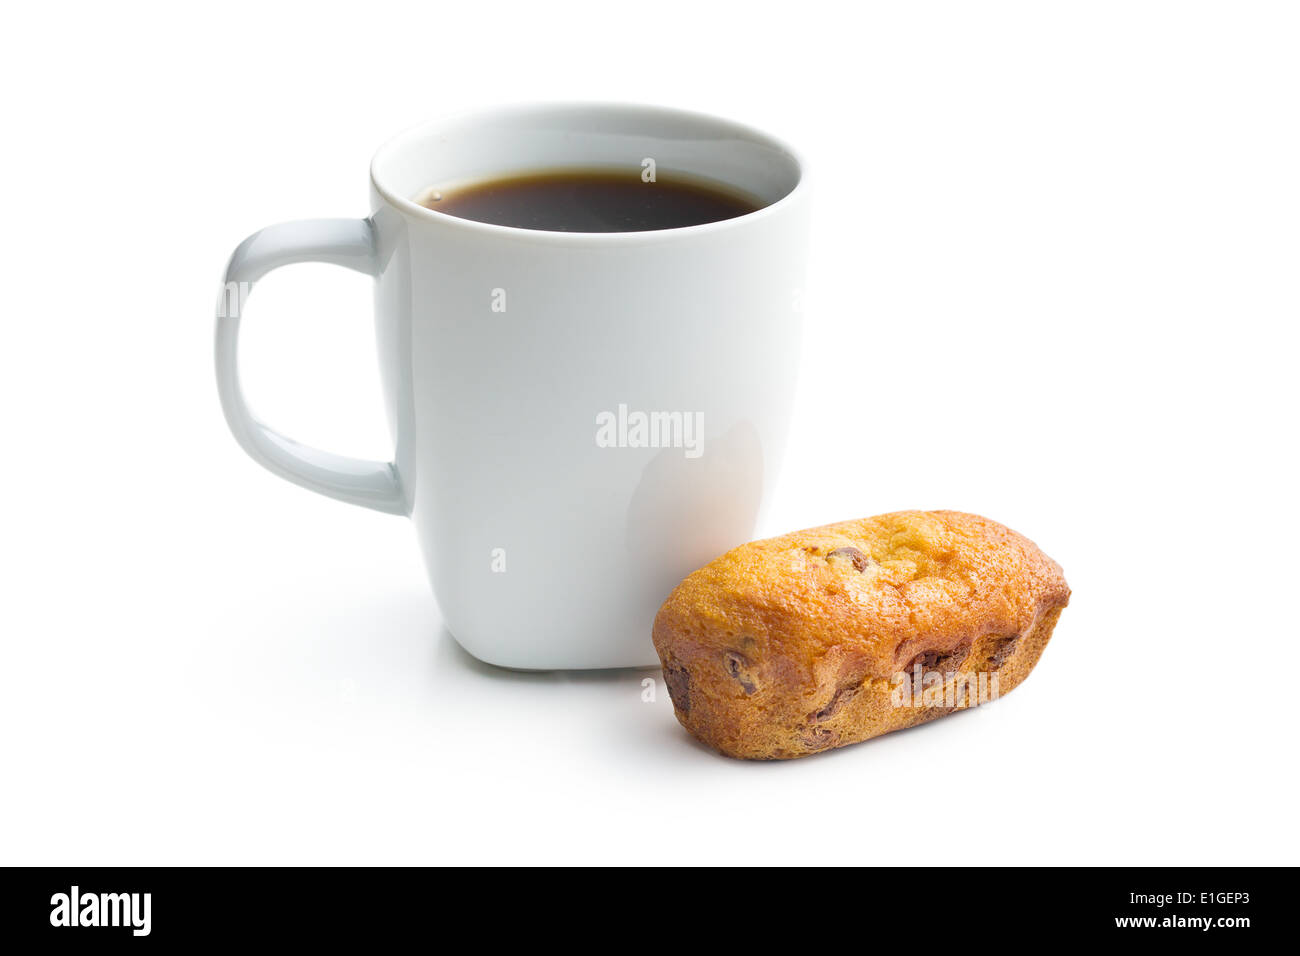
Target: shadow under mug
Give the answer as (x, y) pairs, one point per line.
(579, 419)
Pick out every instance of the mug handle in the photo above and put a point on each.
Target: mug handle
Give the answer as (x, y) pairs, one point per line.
(343, 242)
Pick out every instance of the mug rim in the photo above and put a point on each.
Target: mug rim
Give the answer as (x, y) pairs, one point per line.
(410, 207)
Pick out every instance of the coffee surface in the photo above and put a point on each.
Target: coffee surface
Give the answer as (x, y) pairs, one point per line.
(590, 201)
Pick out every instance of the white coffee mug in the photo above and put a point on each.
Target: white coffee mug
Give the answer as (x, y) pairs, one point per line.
(579, 419)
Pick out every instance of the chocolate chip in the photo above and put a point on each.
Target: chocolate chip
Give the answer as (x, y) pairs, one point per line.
(860, 561)
(1000, 649)
(956, 657)
(925, 661)
(678, 679)
(841, 697)
(943, 661)
(818, 738)
(737, 666)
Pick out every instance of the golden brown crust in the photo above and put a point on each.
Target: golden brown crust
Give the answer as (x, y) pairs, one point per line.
(794, 645)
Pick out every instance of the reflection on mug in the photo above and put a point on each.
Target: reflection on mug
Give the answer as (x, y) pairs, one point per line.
(686, 511)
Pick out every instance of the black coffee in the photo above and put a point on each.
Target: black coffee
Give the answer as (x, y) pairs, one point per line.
(590, 201)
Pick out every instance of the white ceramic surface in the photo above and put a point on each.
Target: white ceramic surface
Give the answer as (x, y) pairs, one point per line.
(551, 528)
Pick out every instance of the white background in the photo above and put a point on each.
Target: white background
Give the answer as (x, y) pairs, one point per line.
(1054, 281)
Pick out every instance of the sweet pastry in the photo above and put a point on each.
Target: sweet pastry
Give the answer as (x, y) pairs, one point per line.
(826, 637)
